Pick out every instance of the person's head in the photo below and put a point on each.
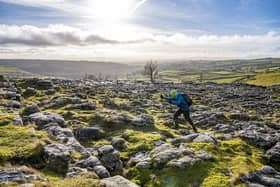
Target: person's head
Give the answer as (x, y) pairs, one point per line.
(173, 93)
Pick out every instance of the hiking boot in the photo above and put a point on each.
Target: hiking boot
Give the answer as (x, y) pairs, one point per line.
(175, 125)
(195, 130)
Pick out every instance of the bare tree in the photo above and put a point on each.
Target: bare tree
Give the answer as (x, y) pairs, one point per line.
(201, 77)
(151, 70)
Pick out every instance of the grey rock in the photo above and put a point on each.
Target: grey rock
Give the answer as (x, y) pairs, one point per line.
(139, 157)
(17, 120)
(51, 91)
(90, 162)
(203, 155)
(14, 104)
(185, 139)
(29, 92)
(27, 185)
(57, 157)
(267, 176)
(59, 102)
(75, 171)
(144, 165)
(86, 106)
(167, 155)
(119, 143)
(117, 181)
(262, 140)
(87, 133)
(41, 119)
(183, 162)
(242, 117)
(11, 95)
(30, 109)
(101, 171)
(143, 120)
(274, 153)
(18, 175)
(110, 158)
(205, 138)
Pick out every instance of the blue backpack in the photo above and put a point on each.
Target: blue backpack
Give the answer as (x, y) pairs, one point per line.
(187, 99)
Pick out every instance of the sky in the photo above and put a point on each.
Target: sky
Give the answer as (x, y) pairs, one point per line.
(139, 30)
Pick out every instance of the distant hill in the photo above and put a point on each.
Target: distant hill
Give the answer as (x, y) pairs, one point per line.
(69, 69)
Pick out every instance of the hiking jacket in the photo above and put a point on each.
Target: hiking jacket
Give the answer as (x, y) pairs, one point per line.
(179, 101)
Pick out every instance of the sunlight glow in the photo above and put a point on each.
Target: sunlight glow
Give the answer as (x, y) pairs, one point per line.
(112, 11)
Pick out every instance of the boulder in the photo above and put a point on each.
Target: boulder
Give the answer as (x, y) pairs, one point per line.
(119, 143)
(57, 157)
(11, 95)
(14, 104)
(17, 120)
(164, 156)
(205, 138)
(86, 106)
(117, 181)
(59, 102)
(87, 133)
(274, 153)
(75, 171)
(50, 91)
(27, 185)
(59, 132)
(242, 117)
(143, 120)
(261, 140)
(39, 83)
(30, 109)
(144, 164)
(267, 176)
(185, 139)
(110, 158)
(182, 162)
(101, 171)
(143, 160)
(18, 175)
(41, 119)
(29, 92)
(89, 163)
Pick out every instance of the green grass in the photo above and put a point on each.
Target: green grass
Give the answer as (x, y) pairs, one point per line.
(266, 79)
(233, 158)
(6, 119)
(85, 180)
(12, 71)
(17, 142)
(140, 141)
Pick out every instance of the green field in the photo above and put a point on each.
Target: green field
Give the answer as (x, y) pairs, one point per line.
(265, 72)
(13, 72)
(266, 79)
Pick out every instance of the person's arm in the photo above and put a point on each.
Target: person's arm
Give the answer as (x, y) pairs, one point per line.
(169, 99)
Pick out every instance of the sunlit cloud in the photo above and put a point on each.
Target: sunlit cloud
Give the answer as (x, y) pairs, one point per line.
(69, 42)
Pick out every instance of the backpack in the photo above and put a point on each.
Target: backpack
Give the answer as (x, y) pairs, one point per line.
(187, 99)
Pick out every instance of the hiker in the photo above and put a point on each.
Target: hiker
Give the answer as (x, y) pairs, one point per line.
(184, 102)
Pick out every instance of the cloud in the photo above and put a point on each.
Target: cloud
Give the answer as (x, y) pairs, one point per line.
(65, 42)
(53, 35)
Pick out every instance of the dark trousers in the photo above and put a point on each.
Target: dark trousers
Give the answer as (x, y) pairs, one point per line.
(186, 115)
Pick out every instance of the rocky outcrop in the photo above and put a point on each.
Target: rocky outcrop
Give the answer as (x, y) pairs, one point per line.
(87, 133)
(42, 119)
(274, 153)
(110, 158)
(57, 157)
(267, 176)
(30, 109)
(117, 181)
(19, 175)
